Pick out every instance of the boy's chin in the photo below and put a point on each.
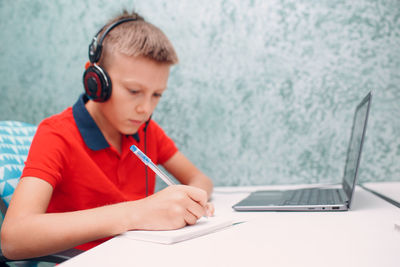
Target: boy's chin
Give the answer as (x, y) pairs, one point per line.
(130, 131)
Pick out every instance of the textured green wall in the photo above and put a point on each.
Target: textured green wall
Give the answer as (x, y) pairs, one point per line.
(264, 92)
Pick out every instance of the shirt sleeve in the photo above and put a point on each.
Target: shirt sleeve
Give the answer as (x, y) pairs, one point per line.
(46, 154)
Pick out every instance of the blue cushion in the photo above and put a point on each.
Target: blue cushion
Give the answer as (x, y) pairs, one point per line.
(15, 140)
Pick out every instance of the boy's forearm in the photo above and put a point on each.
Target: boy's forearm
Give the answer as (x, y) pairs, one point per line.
(43, 234)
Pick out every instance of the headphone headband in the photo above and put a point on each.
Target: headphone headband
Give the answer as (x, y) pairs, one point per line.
(95, 46)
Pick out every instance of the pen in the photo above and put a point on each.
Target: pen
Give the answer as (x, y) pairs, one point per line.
(147, 161)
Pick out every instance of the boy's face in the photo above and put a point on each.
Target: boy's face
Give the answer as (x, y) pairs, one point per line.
(137, 86)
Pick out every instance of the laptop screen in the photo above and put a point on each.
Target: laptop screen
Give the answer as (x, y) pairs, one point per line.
(355, 146)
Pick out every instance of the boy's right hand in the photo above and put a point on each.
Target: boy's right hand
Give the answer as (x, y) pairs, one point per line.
(171, 208)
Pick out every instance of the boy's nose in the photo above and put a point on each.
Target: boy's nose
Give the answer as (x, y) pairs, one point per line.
(144, 107)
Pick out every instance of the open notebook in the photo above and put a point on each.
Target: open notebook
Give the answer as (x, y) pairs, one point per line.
(202, 227)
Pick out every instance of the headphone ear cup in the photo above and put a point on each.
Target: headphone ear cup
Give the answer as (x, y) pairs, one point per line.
(97, 84)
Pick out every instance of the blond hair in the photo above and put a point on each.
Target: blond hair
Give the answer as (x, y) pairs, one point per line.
(137, 38)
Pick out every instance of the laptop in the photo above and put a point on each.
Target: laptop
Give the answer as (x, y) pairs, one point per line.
(319, 198)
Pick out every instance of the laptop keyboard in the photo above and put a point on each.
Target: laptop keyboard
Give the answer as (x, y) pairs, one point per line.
(313, 196)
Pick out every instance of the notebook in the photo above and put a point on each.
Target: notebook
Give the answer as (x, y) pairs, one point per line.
(321, 198)
(202, 227)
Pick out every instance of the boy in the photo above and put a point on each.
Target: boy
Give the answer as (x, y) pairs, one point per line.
(81, 184)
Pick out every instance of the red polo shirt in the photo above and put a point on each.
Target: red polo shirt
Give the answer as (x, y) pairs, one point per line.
(69, 152)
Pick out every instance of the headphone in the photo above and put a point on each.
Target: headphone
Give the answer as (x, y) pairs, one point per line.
(96, 81)
(145, 152)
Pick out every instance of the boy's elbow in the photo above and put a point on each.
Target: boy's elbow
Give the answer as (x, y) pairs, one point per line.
(8, 246)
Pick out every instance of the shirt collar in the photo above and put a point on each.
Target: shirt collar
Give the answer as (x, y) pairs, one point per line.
(88, 128)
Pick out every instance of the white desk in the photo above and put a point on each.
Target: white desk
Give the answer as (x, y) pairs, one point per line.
(364, 236)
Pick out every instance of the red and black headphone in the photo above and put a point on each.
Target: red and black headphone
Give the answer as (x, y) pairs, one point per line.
(96, 81)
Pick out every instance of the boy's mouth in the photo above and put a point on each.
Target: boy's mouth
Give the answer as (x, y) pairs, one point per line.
(136, 122)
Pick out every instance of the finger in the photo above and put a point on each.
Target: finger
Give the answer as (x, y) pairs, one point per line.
(196, 209)
(197, 194)
(189, 218)
(210, 209)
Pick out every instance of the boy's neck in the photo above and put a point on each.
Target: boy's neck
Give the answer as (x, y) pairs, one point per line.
(112, 136)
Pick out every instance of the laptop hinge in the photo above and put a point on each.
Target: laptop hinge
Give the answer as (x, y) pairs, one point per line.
(343, 196)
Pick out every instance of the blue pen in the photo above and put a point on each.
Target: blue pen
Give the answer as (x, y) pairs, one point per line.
(147, 161)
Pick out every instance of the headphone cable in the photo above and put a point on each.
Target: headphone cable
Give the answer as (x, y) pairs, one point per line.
(145, 152)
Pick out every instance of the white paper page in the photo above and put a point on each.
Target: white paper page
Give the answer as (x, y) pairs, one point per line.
(202, 227)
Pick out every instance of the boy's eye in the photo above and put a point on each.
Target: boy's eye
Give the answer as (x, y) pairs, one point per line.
(157, 95)
(134, 92)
